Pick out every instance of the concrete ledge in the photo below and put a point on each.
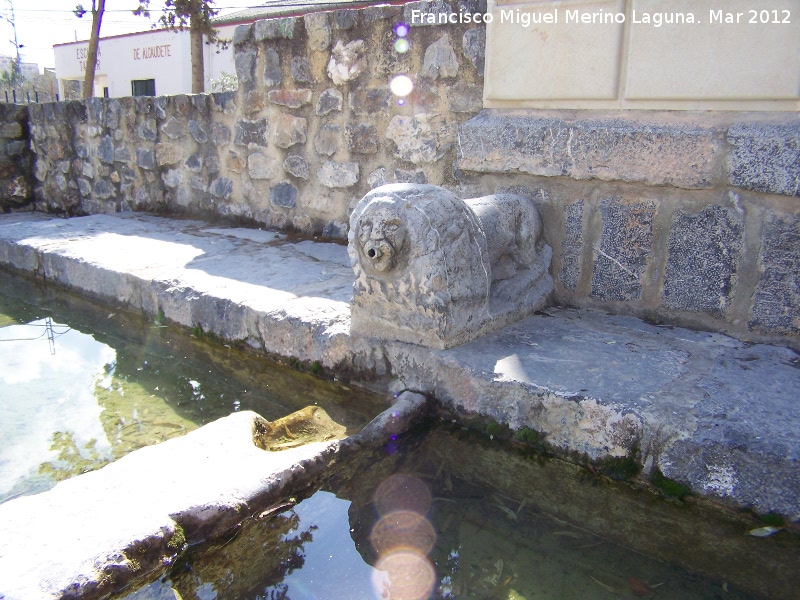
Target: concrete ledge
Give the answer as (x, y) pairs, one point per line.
(592, 147)
(92, 534)
(716, 414)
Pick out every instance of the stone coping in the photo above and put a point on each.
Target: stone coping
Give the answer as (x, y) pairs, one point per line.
(92, 534)
(752, 151)
(716, 414)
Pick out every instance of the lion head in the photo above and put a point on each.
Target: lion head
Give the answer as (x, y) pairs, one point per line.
(382, 239)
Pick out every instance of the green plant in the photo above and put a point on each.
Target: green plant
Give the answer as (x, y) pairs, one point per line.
(226, 82)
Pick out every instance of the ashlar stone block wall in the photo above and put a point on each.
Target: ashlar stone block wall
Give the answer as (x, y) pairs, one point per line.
(687, 218)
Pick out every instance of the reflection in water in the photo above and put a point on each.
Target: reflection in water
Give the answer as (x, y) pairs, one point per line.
(454, 516)
(116, 382)
(48, 414)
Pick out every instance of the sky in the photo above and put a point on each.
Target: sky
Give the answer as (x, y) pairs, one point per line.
(42, 23)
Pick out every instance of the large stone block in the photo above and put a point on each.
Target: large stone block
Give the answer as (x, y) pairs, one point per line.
(776, 303)
(318, 30)
(300, 69)
(623, 250)
(338, 175)
(274, 29)
(105, 150)
(221, 187)
(347, 61)
(272, 67)
(611, 149)
(704, 251)
(289, 130)
(251, 132)
(328, 101)
(369, 101)
(296, 165)
(440, 60)
(197, 131)
(245, 64)
(327, 140)
(147, 130)
(421, 138)
(146, 158)
(173, 129)
(168, 154)
(290, 98)
(261, 166)
(283, 194)
(474, 42)
(435, 270)
(362, 138)
(765, 157)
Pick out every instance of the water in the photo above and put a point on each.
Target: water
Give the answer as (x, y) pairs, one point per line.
(448, 514)
(442, 513)
(82, 384)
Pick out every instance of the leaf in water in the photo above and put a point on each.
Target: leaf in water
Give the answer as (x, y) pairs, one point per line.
(764, 531)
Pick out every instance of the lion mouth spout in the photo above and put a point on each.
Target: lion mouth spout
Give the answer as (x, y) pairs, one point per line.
(380, 254)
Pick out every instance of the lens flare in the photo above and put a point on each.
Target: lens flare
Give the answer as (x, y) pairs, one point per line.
(401, 30)
(402, 529)
(402, 491)
(401, 85)
(401, 46)
(404, 575)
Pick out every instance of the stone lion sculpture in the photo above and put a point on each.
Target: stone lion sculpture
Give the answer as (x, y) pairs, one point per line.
(436, 270)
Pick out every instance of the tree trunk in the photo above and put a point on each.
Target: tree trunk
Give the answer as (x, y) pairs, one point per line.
(94, 42)
(196, 44)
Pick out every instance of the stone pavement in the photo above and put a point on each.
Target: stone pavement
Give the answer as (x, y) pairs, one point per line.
(717, 414)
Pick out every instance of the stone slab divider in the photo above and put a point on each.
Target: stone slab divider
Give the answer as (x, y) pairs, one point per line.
(93, 534)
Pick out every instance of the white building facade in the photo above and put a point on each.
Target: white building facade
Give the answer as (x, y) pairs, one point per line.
(149, 63)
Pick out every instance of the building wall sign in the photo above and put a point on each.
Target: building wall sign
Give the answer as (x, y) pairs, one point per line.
(148, 52)
(82, 53)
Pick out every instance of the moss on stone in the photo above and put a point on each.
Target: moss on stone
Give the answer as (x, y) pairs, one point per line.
(669, 487)
(178, 540)
(494, 428)
(526, 435)
(773, 519)
(621, 468)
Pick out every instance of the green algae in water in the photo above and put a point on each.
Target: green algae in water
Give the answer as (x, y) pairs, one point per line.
(111, 382)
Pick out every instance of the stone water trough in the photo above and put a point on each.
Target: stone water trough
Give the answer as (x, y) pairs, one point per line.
(444, 303)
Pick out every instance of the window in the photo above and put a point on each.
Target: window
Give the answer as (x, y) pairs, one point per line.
(105, 92)
(143, 87)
